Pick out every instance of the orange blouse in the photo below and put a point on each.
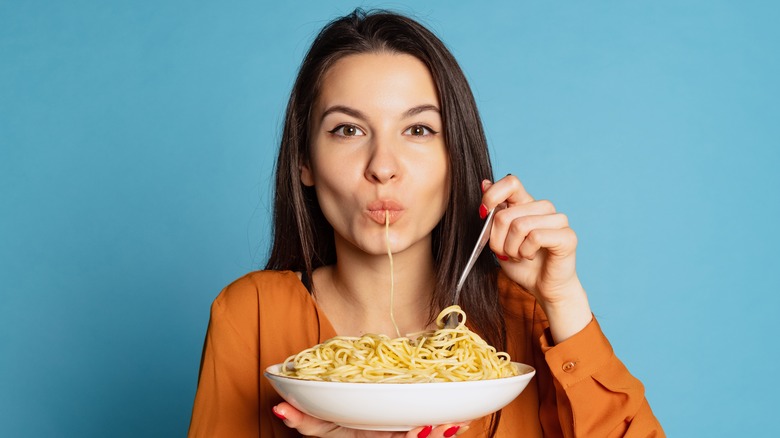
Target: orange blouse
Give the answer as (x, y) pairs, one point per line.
(580, 389)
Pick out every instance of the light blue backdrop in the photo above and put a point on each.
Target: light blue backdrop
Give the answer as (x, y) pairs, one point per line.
(136, 148)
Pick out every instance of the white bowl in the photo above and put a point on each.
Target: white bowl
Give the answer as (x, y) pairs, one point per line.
(399, 406)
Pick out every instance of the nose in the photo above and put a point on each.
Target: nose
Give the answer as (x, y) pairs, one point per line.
(383, 165)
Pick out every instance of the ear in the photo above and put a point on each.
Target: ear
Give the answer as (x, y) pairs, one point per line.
(307, 177)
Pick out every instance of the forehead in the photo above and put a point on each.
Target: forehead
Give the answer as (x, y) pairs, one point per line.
(388, 80)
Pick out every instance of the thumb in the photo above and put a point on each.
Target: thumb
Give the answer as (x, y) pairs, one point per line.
(305, 424)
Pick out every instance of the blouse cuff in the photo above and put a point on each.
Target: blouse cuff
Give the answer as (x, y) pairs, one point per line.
(579, 356)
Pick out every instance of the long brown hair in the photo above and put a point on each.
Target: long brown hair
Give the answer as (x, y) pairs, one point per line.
(303, 240)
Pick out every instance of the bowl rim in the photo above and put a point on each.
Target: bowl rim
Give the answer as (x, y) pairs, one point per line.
(525, 371)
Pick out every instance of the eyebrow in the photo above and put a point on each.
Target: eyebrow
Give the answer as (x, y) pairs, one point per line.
(421, 109)
(357, 114)
(345, 110)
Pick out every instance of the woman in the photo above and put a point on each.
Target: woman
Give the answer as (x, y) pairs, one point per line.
(381, 121)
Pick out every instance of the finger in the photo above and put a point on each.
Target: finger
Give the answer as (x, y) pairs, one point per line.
(305, 424)
(540, 207)
(560, 242)
(503, 220)
(449, 430)
(508, 189)
(419, 432)
(486, 183)
(521, 227)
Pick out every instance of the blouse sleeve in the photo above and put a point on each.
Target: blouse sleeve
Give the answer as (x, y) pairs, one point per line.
(595, 395)
(226, 402)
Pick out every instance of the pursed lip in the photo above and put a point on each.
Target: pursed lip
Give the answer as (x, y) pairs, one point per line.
(377, 210)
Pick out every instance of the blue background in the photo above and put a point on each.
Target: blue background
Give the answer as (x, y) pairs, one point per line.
(137, 141)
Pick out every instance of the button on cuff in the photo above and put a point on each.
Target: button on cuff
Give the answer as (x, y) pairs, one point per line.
(588, 351)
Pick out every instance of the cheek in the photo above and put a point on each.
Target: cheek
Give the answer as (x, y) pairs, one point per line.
(437, 182)
(334, 183)
(332, 203)
(328, 167)
(442, 172)
(335, 177)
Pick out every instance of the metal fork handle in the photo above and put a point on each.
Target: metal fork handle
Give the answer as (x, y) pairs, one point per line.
(484, 236)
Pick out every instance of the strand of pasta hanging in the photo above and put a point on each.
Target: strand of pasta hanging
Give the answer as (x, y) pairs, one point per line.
(392, 277)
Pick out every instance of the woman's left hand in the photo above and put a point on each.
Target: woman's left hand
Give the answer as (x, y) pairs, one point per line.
(536, 248)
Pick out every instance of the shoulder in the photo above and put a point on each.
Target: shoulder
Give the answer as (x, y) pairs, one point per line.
(242, 298)
(253, 283)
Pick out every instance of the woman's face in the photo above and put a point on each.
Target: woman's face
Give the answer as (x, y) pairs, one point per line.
(377, 145)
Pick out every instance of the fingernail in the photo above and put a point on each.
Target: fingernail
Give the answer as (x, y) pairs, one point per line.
(451, 431)
(482, 211)
(462, 430)
(482, 185)
(502, 257)
(425, 432)
(278, 414)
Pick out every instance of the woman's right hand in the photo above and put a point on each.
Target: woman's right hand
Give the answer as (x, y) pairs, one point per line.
(314, 427)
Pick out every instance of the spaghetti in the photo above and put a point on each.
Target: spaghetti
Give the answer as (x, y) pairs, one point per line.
(392, 277)
(446, 355)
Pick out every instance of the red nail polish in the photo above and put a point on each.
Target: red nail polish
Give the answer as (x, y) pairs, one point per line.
(425, 432)
(482, 186)
(483, 211)
(451, 431)
(278, 414)
(502, 257)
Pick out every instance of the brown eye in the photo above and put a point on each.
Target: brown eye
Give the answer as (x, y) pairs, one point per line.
(419, 131)
(347, 131)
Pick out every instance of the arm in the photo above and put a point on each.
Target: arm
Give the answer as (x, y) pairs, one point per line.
(226, 402)
(595, 395)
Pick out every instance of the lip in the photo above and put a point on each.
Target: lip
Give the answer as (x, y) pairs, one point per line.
(376, 210)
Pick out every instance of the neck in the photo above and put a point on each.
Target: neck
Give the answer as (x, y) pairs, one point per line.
(355, 292)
